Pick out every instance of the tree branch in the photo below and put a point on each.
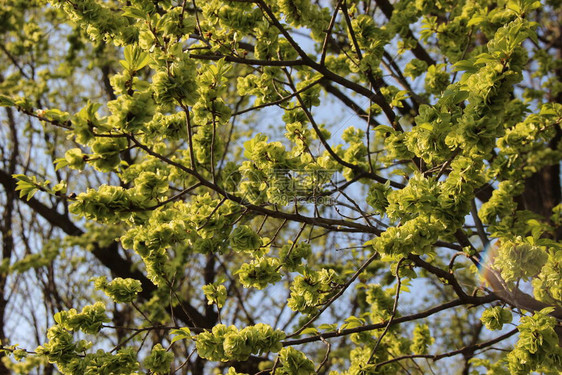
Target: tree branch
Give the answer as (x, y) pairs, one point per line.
(474, 301)
(463, 351)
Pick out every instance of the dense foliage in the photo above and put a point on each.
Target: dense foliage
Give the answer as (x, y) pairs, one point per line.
(281, 187)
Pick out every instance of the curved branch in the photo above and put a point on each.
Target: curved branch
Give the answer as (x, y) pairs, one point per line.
(448, 276)
(467, 350)
(241, 60)
(474, 301)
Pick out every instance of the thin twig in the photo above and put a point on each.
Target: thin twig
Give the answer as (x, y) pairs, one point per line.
(394, 310)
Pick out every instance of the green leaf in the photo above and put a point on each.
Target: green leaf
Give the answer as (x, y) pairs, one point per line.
(353, 322)
(464, 65)
(180, 334)
(142, 61)
(135, 58)
(6, 102)
(26, 186)
(310, 331)
(133, 12)
(514, 6)
(477, 20)
(124, 64)
(328, 327)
